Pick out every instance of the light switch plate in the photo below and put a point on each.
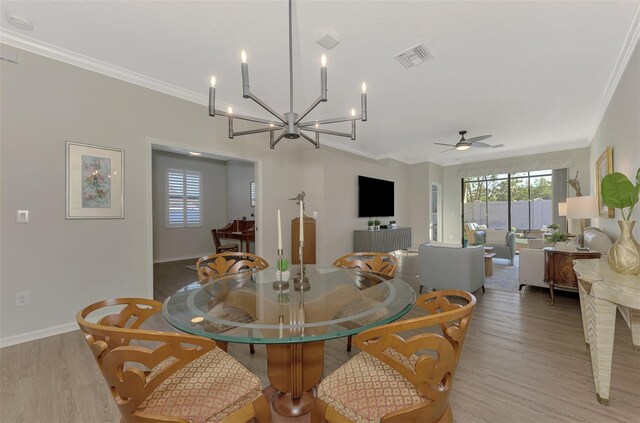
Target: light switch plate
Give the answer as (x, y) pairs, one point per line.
(22, 216)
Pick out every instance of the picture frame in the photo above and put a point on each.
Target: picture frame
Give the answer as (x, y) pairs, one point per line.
(604, 166)
(252, 193)
(94, 182)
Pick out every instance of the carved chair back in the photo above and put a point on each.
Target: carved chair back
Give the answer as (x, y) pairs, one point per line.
(427, 360)
(216, 265)
(379, 263)
(110, 342)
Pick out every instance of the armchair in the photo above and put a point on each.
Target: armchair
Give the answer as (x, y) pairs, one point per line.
(503, 243)
(449, 266)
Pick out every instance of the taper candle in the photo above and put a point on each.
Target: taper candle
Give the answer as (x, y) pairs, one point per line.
(301, 221)
(279, 233)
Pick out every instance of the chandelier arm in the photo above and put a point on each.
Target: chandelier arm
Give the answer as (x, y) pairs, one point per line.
(327, 131)
(253, 131)
(334, 120)
(266, 107)
(273, 142)
(249, 118)
(315, 142)
(309, 109)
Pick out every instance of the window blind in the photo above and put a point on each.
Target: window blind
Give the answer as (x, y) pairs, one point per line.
(184, 198)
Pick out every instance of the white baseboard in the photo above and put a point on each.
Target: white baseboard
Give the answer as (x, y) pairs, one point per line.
(38, 334)
(47, 332)
(191, 256)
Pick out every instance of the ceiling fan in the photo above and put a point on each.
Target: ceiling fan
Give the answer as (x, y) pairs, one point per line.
(465, 144)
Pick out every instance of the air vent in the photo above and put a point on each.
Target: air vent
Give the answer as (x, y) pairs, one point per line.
(414, 56)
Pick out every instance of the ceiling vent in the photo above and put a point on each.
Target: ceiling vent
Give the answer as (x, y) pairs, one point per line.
(328, 40)
(414, 56)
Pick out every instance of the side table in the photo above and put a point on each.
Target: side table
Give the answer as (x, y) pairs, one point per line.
(488, 263)
(602, 291)
(558, 267)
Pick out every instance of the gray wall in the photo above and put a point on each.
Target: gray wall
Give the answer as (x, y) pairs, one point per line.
(620, 129)
(178, 243)
(45, 103)
(239, 176)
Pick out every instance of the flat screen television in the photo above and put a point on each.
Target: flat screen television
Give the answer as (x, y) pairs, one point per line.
(375, 197)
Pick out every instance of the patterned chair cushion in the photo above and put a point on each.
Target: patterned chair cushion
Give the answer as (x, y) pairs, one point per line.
(206, 390)
(365, 389)
(360, 305)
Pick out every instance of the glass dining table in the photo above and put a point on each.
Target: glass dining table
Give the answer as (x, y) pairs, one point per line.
(293, 318)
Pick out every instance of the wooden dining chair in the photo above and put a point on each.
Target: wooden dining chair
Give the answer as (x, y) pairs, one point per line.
(381, 264)
(409, 377)
(163, 376)
(220, 248)
(215, 266)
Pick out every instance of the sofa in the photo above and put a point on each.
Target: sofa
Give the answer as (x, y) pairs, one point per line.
(449, 266)
(531, 270)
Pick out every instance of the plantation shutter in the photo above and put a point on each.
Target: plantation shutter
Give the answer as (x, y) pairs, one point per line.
(184, 198)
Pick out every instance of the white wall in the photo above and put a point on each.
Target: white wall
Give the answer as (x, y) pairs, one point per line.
(452, 191)
(620, 129)
(175, 243)
(239, 176)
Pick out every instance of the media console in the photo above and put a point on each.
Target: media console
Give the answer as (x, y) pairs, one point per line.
(382, 240)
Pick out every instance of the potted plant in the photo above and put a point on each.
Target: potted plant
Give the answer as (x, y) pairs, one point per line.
(376, 224)
(370, 225)
(554, 227)
(283, 274)
(619, 193)
(392, 224)
(556, 237)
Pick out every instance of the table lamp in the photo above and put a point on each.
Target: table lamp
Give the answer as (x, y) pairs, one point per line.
(582, 208)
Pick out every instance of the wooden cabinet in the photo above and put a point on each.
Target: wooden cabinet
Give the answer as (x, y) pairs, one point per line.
(381, 241)
(309, 240)
(558, 267)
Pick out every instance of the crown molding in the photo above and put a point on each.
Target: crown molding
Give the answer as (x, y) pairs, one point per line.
(626, 51)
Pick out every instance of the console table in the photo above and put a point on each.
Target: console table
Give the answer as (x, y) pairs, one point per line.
(558, 267)
(602, 291)
(382, 241)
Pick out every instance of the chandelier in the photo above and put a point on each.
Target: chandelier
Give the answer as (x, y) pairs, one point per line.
(290, 124)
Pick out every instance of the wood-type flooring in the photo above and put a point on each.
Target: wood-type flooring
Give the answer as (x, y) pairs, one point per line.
(523, 361)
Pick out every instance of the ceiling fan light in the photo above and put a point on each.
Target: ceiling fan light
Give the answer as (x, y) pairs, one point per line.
(462, 147)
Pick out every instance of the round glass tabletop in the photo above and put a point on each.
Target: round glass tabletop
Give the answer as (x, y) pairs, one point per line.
(253, 307)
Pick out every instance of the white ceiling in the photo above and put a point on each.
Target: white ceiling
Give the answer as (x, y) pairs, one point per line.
(536, 75)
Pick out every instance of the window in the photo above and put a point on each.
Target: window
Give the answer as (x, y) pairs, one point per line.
(521, 200)
(184, 198)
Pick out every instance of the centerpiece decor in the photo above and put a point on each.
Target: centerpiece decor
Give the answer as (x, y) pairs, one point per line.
(556, 237)
(619, 193)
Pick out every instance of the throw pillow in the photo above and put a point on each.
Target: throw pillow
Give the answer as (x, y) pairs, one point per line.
(496, 236)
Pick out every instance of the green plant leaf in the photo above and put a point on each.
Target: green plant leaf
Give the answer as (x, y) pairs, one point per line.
(618, 191)
(638, 178)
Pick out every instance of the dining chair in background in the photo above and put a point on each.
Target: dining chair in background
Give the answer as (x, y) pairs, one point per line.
(165, 376)
(220, 248)
(381, 264)
(409, 377)
(215, 266)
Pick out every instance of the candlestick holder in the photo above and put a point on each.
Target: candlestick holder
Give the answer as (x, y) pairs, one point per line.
(282, 281)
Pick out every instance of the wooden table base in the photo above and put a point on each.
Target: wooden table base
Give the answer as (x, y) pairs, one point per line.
(294, 370)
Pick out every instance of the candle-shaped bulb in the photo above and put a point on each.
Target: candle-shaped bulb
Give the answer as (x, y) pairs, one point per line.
(213, 81)
(364, 87)
(353, 112)
(317, 125)
(229, 109)
(243, 56)
(323, 61)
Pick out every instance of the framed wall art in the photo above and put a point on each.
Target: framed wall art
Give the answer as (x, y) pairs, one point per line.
(95, 182)
(604, 166)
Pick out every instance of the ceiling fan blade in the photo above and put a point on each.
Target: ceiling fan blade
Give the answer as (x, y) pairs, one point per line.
(480, 138)
(480, 144)
(497, 146)
(448, 145)
(451, 149)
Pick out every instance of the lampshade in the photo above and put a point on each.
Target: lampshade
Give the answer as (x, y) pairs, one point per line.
(562, 209)
(584, 207)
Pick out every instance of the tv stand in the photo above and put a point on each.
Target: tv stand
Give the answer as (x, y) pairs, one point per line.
(382, 240)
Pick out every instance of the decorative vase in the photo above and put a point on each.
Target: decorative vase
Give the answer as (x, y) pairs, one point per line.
(371, 227)
(283, 276)
(624, 254)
